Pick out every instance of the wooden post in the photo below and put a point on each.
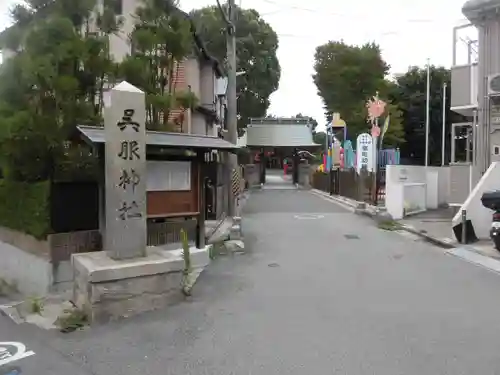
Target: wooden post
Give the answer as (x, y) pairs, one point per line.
(262, 167)
(295, 170)
(200, 227)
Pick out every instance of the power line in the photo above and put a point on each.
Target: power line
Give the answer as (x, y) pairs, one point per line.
(343, 15)
(286, 35)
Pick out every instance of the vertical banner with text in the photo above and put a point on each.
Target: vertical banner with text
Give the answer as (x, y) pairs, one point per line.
(364, 152)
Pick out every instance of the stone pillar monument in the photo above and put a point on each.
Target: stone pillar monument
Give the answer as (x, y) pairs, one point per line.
(125, 173)
(129, 277)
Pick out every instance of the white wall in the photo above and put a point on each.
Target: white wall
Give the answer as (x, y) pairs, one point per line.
(32, 275)
(435, 179)
(479, 215)
(394, 201)
(460, 181)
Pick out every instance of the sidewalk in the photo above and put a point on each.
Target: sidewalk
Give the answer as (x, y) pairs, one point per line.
(437, 224)
(433, 225)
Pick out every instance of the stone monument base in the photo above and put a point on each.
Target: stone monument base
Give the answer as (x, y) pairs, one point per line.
(108, 289)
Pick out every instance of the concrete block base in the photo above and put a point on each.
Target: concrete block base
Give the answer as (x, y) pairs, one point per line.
(108, 289)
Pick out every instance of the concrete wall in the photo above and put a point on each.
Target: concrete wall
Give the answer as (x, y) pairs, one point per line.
(411, 185)
(462, 179)
(30, 274)
(26, 263)
(476, 212)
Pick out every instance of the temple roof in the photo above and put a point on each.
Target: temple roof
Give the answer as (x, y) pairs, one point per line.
(95, 135)
(279, 135)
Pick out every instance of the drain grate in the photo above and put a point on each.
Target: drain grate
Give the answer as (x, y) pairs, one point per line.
(351, 236)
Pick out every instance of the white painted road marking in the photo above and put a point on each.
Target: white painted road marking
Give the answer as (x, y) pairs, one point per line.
(308, 217)
(13, 351)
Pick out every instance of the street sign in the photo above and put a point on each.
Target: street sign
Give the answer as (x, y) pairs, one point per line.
(364, 152)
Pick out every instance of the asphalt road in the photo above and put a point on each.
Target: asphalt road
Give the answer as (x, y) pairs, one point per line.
(45, 360)
(320, 291)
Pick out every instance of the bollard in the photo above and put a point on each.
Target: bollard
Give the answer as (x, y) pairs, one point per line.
(330, 181)
(464, 226)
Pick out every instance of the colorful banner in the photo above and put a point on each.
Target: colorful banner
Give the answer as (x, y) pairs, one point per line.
(386, 126)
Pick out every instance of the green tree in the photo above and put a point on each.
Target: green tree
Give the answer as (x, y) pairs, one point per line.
(346, 77)
(319, 138)
(53, 83)
(409, 93)
(160, 40)
(256, 46)
(311, 120)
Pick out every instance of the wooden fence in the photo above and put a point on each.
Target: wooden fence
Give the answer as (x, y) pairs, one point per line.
(348, 183)
(63, 245)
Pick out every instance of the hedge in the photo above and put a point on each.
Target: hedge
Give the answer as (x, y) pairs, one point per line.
(25, 207)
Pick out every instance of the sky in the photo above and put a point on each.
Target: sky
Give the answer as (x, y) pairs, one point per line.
(409, 33)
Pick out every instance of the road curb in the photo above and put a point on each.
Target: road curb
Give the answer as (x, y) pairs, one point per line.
(364, 209)
(478, 259)
(345, 203)
(435, 241)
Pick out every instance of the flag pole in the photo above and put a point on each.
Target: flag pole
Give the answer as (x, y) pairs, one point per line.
(427, 113)
(443, 135)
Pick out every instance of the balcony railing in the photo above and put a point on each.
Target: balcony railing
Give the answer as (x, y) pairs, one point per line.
(464, 70)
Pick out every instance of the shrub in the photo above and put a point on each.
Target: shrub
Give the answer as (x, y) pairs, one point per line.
(25, 206)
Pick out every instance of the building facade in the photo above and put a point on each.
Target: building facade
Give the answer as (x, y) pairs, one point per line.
(475, 88)
(200, 73)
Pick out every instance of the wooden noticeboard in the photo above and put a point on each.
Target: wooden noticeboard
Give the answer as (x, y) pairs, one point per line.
(175, 203)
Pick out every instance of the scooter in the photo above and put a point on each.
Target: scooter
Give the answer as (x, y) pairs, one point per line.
(491, 200)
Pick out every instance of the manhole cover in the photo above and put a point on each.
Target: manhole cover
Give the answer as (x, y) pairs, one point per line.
(308, 217)
(351, 236)
(272, 265)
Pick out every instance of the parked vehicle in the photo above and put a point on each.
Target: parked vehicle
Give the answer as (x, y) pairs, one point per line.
(491, 200)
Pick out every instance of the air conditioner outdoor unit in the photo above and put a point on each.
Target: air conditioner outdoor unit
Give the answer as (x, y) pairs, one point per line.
(494, 84)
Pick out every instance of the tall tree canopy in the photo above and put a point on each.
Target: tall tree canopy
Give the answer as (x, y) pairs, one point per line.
(54, 82)
(311, 120)
(161, 38)
(62, 68)
(409, 93)
(346, 77)
(256, 46)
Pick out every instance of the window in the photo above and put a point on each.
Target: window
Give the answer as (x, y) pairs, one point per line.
(496, 150)
(168, 176)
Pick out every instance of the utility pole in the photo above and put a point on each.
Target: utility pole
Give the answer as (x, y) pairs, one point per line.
(443, 135)
(427, 112)
(232, 115)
